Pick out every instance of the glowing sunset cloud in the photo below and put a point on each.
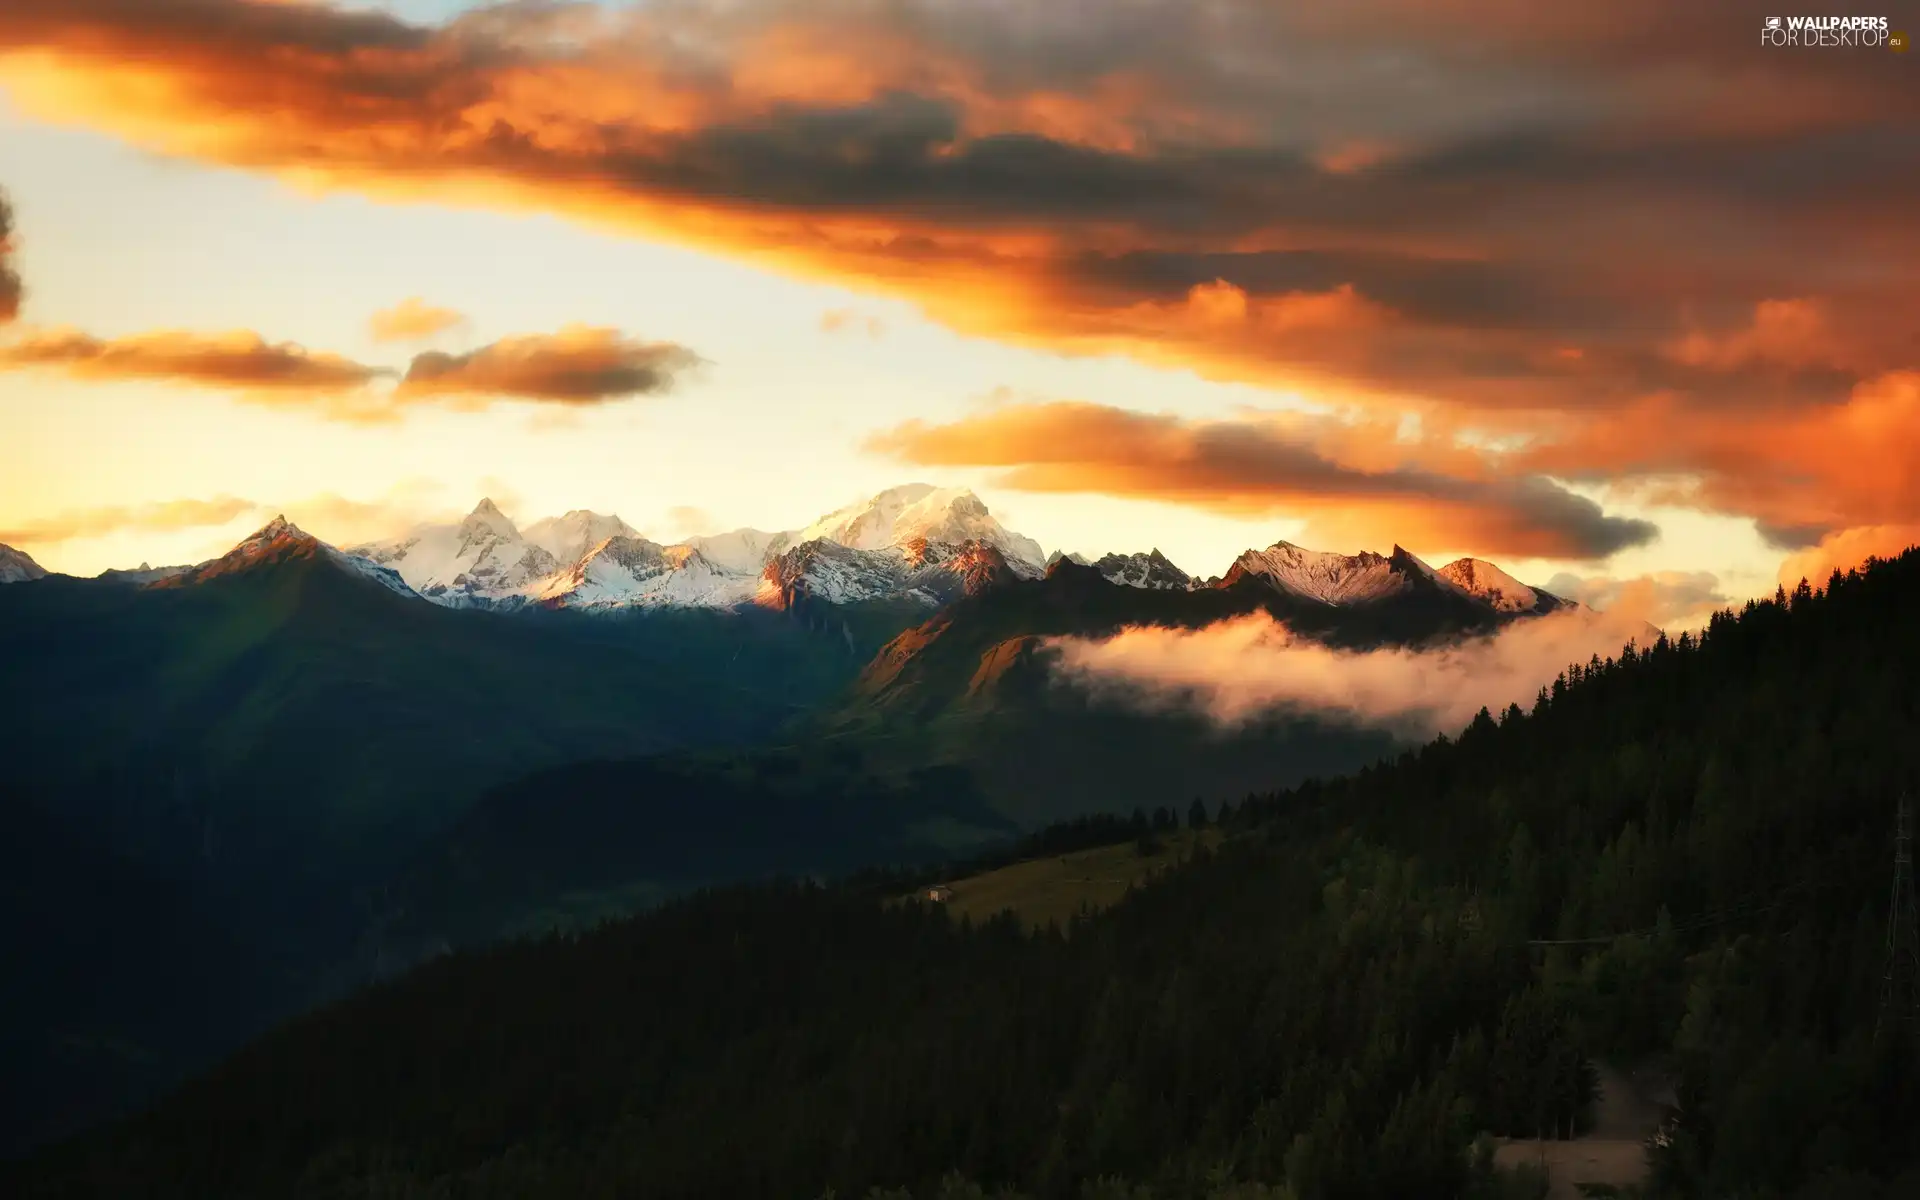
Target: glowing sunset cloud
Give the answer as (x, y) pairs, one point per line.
(1266, 467)
(578, 365)
(413, 320)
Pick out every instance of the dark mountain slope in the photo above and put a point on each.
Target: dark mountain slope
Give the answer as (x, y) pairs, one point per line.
(582, 842)
(117, 981)
(297, 720)
(1334, 1003)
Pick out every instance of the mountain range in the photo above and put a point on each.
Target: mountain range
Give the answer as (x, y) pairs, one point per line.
(334, 760)
(914, 543)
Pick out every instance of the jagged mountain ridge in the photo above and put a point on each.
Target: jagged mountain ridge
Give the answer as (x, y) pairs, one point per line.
(917, 544)
(914, 542)
(1330, 578)
(1368, 578)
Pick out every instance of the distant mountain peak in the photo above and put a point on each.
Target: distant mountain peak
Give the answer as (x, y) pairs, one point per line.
(277, 530)
(571, 537)
(900, 515)
(486, 520)
(1338, 579)
(278, 541)
(17, 566)
(1490, 583)
(1150, 570)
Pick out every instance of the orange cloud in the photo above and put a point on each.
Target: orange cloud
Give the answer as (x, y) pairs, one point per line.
(230, 360)
(1667, 599)
(413, 320)
(164, 517)
(1846, 549)
(578, 365)
(1316, 471)
(1850, 464)
(1791, 333)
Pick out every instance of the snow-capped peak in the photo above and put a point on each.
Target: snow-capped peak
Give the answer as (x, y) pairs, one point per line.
(1492, 585)
(279, 541)
(481, 559)
(1317, 574)
(569, 538)
(1336, 578)
(918, 511)
(17, 566)
(486, 517)
(742, 551)
(273, 539)
(1151, 570)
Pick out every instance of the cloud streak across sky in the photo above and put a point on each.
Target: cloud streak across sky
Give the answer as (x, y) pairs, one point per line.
(579, 365)
(1349, 484)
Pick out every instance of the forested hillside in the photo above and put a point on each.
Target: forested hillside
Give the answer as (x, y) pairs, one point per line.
(1333, 1004)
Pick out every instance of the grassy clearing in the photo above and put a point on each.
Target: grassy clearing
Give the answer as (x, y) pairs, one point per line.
(1055, 889)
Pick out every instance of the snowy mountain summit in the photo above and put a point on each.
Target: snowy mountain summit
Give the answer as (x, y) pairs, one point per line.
(917, 543)
(17, 566)
(921, 512)
(1367, 578)
(476, 561)
(279, 541)
(1499, 589)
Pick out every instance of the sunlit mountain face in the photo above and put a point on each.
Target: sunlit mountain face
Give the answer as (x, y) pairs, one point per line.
(477, 472)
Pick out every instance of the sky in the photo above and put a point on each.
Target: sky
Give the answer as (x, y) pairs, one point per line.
(1615, 296)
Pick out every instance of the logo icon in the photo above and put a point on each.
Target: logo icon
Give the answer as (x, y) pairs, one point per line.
(1773, 22)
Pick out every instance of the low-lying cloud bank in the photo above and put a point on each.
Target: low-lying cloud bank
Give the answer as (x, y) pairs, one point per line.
(1249, 667)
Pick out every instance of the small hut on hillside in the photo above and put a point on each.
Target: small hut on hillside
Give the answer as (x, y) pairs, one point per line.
(939, 893)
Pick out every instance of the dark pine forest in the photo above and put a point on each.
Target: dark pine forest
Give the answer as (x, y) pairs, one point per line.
(1341, 1001)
